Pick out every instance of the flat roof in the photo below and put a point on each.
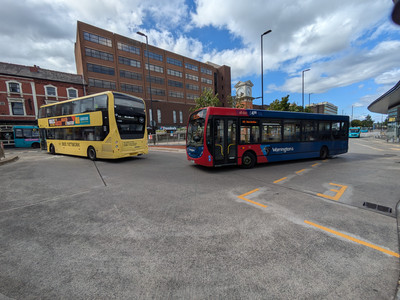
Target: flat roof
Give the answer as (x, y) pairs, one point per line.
(388, 100)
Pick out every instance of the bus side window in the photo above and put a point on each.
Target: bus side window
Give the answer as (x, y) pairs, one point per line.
(291, 131)
(100, 102)
(86, 105)
(271, 131)
(66, 109)
(245, 134)
(76, 107)
(309, 131)
(18, 133)
(50, 111)
(336, 130)
(324, 130)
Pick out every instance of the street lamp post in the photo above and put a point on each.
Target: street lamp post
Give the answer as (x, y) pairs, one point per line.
(303, 87)
(151, 97)
(309, 97)
(262, 69)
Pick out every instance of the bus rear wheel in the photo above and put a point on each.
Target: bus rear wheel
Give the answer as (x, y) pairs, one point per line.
(248, 160)
(52, 149)
(91, 152)
(324, 152)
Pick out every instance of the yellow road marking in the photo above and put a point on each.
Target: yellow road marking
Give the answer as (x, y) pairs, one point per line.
(251, 201)
(353, 239)
(396, 149)
(339, 192)
(314, 165)
(377, 149)
(279, 180)
(302, 170)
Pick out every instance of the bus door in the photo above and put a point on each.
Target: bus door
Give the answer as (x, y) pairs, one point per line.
(225, 141)
(43, 142)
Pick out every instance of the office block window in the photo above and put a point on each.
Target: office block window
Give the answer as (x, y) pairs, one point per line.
(102, 84)
(206, 71)
(174, 73)
(174, 61)
(175, 83)
(99, 54)
(97, 39)
(128, 48)
(192, 77)
(154, 79)
(100, 69)
(131, 75)
(129, 62)
(153, 55)
(192, 87)
(155, 68)
(191, 67)
(175, 94)
(131, 88)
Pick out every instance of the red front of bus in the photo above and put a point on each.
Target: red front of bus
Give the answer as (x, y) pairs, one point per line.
(196, 146)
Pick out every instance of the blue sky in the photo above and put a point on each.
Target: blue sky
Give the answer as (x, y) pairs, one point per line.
(351, 47)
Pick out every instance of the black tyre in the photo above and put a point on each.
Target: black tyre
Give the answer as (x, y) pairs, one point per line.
(35, 145)
(324, 152)
(248, 160)
(91, 153)
(52, 149)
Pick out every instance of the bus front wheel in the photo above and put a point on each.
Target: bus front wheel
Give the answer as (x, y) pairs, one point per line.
(52, 149)
(323, 154)
(91, 152)
(248, 160)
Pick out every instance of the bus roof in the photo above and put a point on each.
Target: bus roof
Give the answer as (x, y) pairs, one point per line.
(240, 112)
(88, 96)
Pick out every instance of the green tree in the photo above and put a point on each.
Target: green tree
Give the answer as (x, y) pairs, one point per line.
(356, 123)
(235, 102)
(207, 98)
(368, 122)
(284, 105)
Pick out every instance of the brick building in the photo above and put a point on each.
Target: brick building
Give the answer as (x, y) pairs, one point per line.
(109, 61)
(24, 89)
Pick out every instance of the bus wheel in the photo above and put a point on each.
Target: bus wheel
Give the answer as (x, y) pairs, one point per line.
(52, 149)
(35, 145)
(323, 154)
(248, 160)
(91, 152)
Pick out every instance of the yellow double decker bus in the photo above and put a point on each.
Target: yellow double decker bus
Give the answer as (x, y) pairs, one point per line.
(104, 125)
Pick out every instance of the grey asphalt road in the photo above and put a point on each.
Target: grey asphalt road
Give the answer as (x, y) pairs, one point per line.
(160, 227)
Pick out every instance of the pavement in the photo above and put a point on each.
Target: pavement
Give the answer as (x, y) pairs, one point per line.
(181, 148)
(8, 159)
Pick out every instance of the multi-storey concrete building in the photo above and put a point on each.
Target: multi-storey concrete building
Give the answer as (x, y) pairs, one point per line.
(324, 108)
(109, 61)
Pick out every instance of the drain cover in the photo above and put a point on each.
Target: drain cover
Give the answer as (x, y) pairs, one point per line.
(378, 207)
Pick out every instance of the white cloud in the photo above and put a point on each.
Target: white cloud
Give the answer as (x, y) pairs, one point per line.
(330, 37)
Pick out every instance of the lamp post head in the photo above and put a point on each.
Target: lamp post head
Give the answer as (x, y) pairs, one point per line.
(268, 31)
(306, 70)
(141, 33)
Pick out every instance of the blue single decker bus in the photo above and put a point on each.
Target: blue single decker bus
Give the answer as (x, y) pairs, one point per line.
(26, 136)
